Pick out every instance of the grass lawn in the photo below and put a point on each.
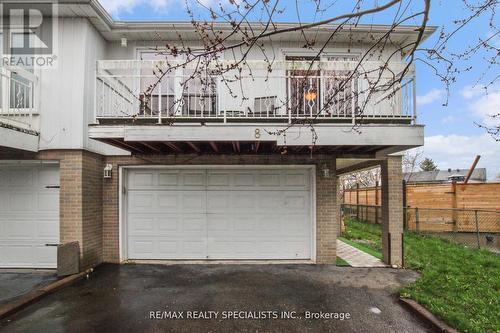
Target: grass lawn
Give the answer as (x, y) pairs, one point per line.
(341, 262)
(458, 284)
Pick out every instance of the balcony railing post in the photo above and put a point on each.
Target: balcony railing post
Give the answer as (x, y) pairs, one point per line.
(218, 104)
(96, 99)
(289, 99)
(5, 90)
(30, 106)
(159, 102)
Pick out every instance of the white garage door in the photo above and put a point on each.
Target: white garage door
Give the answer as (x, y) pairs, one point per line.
(219, 214)
(29, 216)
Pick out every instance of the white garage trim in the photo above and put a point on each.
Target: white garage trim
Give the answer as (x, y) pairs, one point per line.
(123, 176)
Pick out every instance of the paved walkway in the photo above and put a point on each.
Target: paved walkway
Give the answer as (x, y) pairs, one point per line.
(357, 258)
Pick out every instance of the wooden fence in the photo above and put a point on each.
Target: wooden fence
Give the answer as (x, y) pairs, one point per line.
(485, 196)
(436, 207)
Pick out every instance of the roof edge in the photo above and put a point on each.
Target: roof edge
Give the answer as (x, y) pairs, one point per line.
(118, 25)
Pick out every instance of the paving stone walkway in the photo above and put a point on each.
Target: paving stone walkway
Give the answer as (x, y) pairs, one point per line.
(357, 258)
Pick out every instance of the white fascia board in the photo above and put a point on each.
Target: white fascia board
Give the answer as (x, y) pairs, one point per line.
(107, 132)
(327, 135)
(18, 140)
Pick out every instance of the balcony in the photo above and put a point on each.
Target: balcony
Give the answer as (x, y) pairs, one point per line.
(148, 108)
(134, 92)
(19, 122)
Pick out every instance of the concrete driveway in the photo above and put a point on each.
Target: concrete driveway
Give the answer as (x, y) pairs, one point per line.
(17, 282)
(153, 298)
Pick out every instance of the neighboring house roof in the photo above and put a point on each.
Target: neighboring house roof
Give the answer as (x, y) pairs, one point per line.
(479, 175)
(113, 30)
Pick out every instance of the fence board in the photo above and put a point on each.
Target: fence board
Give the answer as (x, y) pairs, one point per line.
(470, 196)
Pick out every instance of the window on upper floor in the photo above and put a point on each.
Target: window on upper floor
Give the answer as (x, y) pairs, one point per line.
(329, 92)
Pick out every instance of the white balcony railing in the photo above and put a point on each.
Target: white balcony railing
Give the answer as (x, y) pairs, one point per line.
(329, 91)
(17, 98)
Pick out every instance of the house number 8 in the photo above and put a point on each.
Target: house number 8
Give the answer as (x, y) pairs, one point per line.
(257, 133)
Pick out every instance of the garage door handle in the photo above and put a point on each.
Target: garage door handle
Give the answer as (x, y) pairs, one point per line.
(51, 244)
(52, 186)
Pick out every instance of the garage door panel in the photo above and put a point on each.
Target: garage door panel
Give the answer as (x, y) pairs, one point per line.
(142, 179)
(47, 229)
(239, 214)
(194, 223)
(138, 224)
(22, 177)
(4, 178)
(232, 201)
(168, 247)
(169, 178)
(194, 248)
(47, 177)
(142, 202)
(168, 223)
(295, 222)
(218, 202)
(143, 248)
(296, 201)
(218, 222)
(21, 202)
(296, 179)
(268, 179)
(218, 178)
(47, 202)
(170, 201)
(193, 178)
(45, 255)
(18, 228)
(20, 255)
(157, 201)
(245, 224)
(4, 200)
(244, 179)
(194, 201)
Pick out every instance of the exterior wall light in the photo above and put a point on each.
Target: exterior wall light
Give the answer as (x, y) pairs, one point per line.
(326, 171)
(124, 41)
(108, 171)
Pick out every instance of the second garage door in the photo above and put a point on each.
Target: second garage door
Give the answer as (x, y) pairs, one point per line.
(219, 214)
(29, 215)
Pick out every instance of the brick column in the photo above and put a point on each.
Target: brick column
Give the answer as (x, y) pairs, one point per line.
(327, 213)
(392, 210)
(80, 201)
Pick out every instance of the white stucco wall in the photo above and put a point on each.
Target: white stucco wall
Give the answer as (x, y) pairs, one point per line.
(67, 92)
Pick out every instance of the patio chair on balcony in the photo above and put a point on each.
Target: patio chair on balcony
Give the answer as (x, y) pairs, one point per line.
(264, 107)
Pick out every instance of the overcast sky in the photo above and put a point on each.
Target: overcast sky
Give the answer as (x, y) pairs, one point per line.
(452, 139)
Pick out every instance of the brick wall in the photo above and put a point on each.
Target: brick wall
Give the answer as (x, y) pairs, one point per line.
(89, 203)
(326, 203)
